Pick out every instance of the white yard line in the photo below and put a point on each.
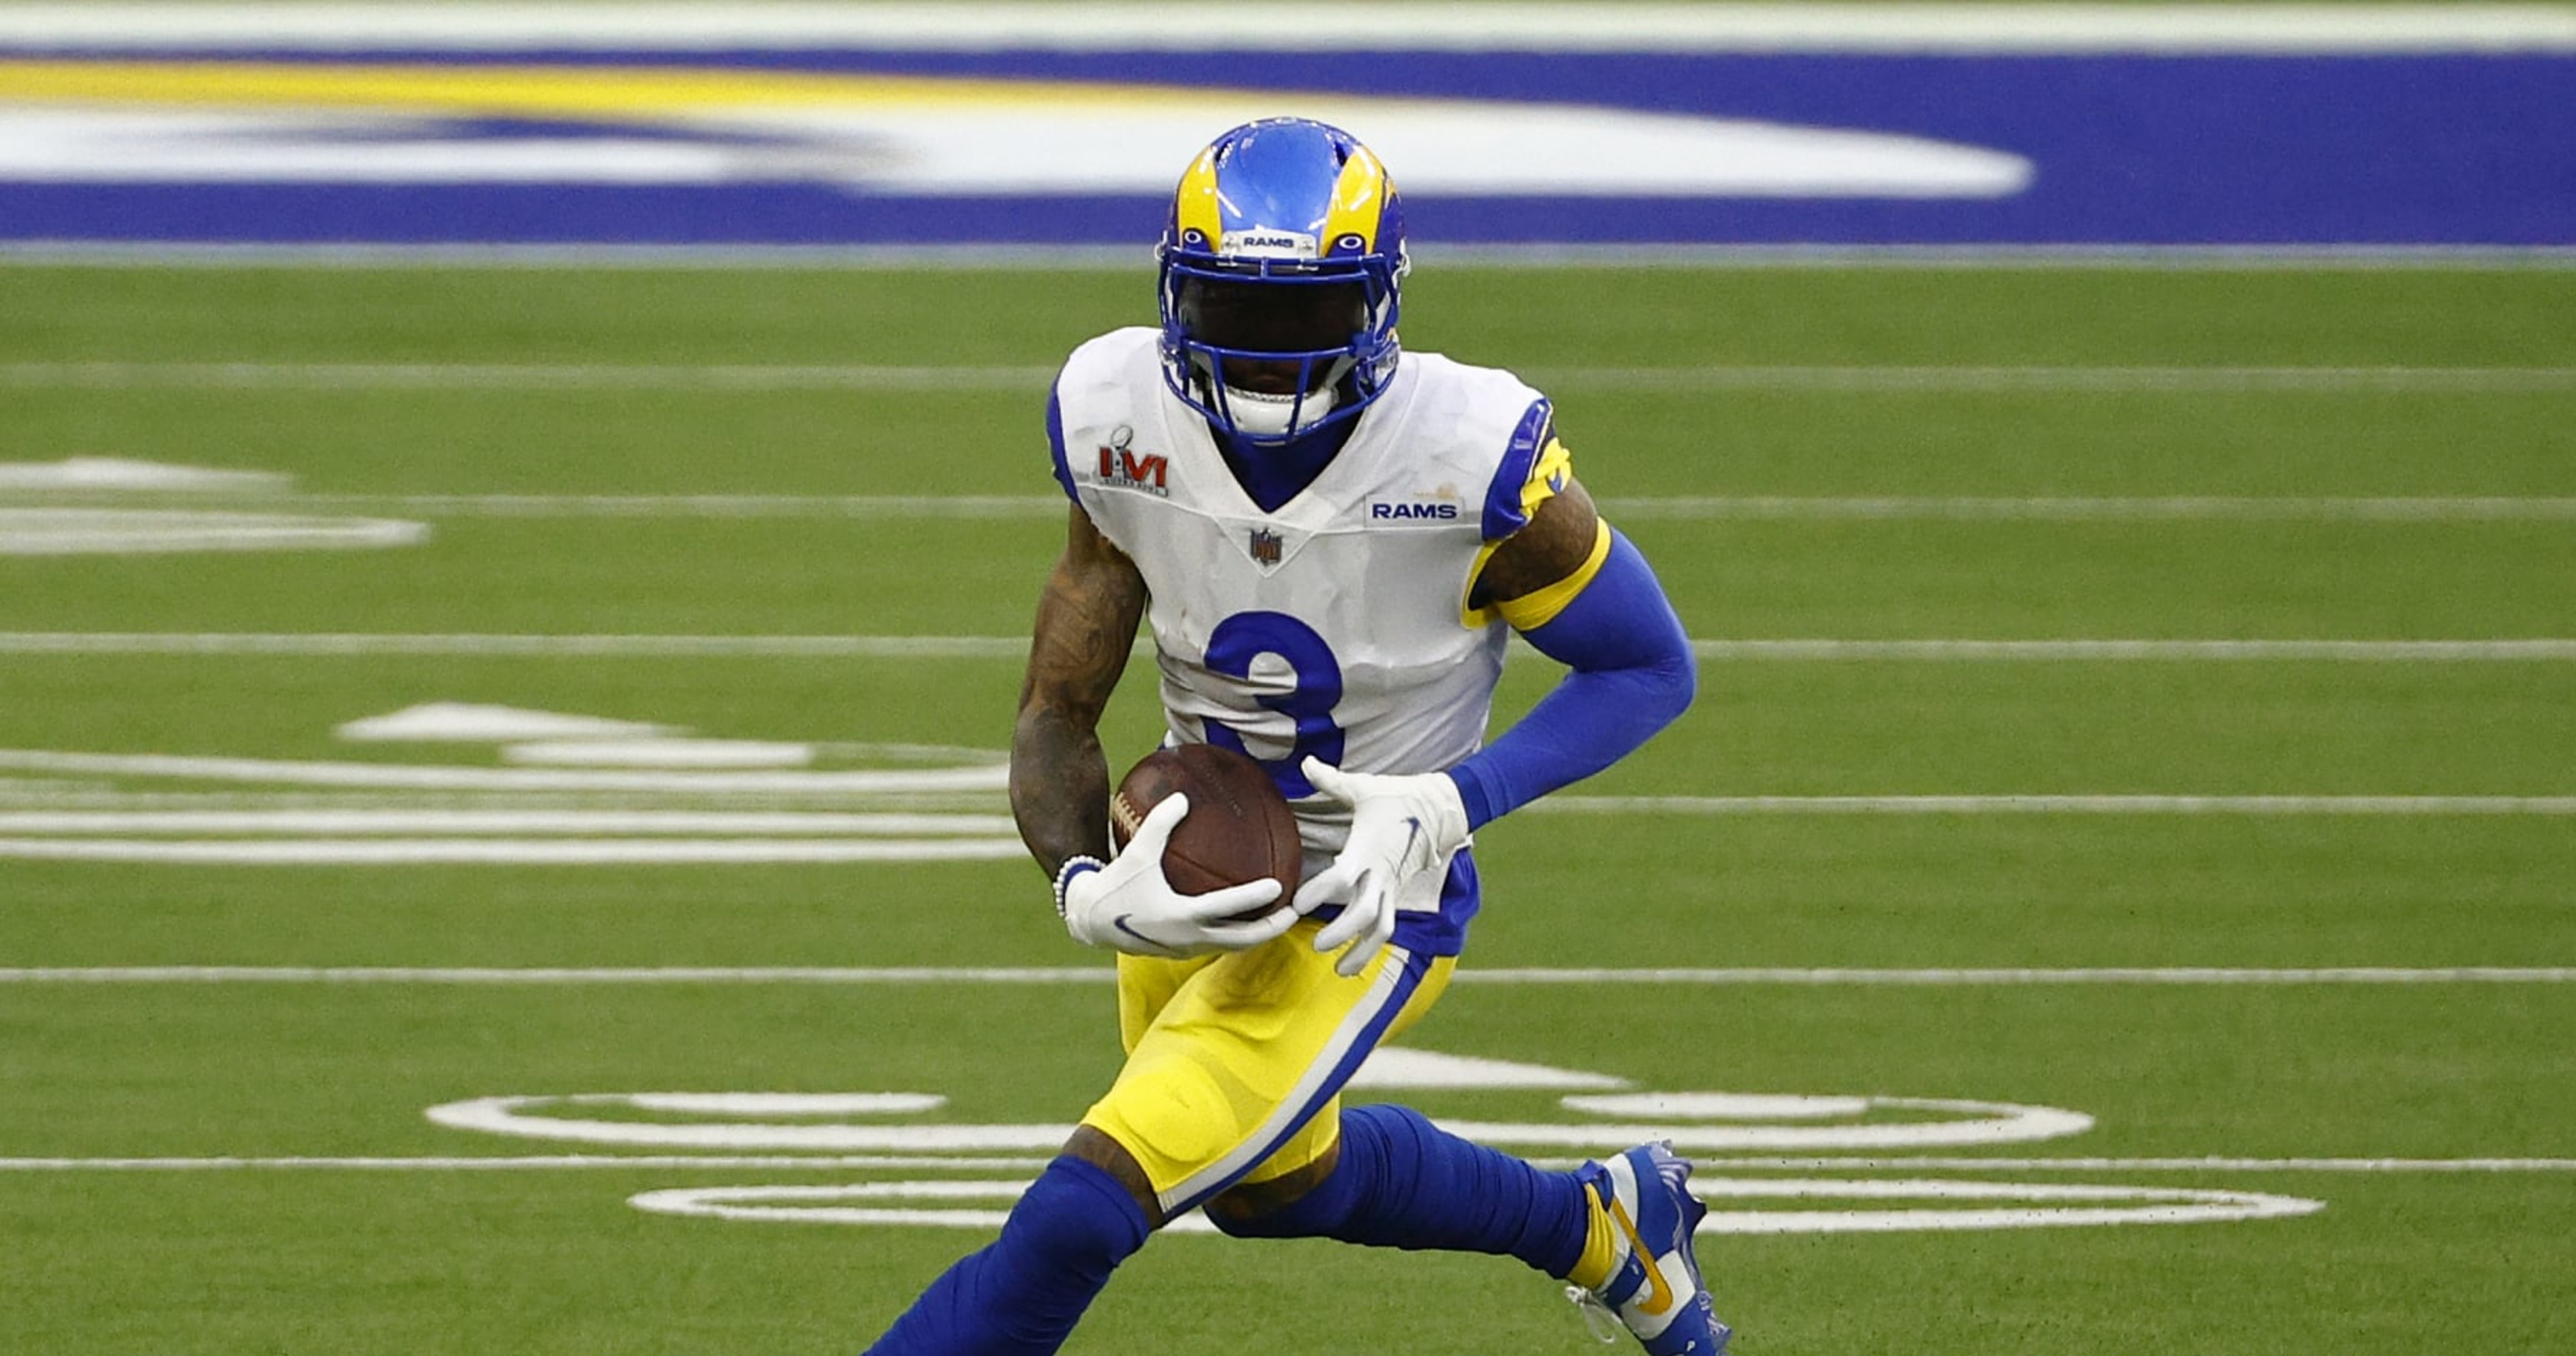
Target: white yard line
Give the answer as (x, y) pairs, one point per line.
(1900, 379)
(2057, 805)
(2551, 649)
(2096, 508)
(1047, 507)
(1087, 975)
(518, 377)
(527, 1163)
(1865, 508)
(1325, 25)
(474, 975)
(2018, 977)
(508, 851)
(579, 647)
(1987, 379)
(2340, 651)
(1967, 1164)
(359, 820)
(971, 1162)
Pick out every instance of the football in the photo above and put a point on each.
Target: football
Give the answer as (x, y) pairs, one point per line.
(1239, 827)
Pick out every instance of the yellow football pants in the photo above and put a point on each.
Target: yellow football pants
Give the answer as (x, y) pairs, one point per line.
(1235, 1061)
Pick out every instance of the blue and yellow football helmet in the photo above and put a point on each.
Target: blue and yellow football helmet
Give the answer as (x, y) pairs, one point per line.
(1280, 270)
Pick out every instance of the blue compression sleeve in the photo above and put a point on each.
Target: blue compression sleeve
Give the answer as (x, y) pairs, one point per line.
(1402, 1182)
(1023, 1294)
(1632, 674)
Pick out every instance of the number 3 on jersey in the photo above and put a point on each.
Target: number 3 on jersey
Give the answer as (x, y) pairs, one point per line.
(1243, 638)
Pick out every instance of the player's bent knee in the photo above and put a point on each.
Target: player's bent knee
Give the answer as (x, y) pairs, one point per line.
(1077, 1219)
(1295, 1219)
(1301, 1204)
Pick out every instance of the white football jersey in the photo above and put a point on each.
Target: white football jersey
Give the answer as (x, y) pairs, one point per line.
(1338, 625)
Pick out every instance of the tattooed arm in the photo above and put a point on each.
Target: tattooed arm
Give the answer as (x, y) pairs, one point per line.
(1086, 625)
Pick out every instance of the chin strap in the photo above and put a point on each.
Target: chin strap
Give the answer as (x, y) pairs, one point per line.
(1274, 416)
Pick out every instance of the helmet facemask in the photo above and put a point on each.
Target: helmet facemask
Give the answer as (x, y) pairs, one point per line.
(1271, 351)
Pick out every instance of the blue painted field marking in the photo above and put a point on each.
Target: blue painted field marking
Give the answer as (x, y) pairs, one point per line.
(2182, 127)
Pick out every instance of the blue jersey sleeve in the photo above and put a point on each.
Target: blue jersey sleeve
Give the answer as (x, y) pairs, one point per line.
(1055, 445)
(1632, 674)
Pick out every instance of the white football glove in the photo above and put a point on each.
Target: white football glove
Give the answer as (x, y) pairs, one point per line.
(1400, 828)
(1127, 905)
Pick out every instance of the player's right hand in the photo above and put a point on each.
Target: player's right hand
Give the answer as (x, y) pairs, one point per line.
(1126, 904)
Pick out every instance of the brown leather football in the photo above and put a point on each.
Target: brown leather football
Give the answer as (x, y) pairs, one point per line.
(1239, 827)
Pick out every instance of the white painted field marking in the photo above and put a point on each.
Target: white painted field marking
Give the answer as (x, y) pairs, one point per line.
(991, 1163)
(2013, 977)
(95, 474)
(803, 1205)
(2061, 1206)
(1926, 1123)
(530, 1163)
(2151, 379)
(505, 822)
(1962, 1123)
(524, 1118)
(2091, 508)
(489, 723)
(2550, 649)
(252, 376)
(1391, 1067)
(1990, 379)
(262, 974)
(422, 777)
(104, 531)
(1836, 976)
(511, 851)
(787, 1103)
(573, 802)
(662, 752)
(1332, 25)
(1684, 508)
(531, 646)
(2055, 1206)
(1719, 1106)
(1924, 1163)
(2133, 651)
(2551, 806)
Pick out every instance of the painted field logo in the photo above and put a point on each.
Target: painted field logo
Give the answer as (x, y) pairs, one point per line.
(1592, 1113)
(570, 790)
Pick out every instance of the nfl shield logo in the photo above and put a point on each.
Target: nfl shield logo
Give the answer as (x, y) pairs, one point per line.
(1265, 546)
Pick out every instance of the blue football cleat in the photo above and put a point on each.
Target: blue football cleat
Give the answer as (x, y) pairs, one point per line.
(1654, 1289)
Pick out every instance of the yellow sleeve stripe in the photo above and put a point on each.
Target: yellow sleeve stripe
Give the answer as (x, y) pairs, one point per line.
(1547, 476)
(1533, 610)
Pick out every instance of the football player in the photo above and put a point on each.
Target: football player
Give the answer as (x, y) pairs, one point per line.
(1333, 540)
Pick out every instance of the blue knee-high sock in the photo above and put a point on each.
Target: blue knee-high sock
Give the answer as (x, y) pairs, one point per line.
(1022, 1295)
(1404, 1183)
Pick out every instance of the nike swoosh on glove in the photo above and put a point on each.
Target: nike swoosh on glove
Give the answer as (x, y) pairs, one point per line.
(1401, 827)
(1126, 904)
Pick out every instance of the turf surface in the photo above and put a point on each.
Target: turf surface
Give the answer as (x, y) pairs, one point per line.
(405, 393)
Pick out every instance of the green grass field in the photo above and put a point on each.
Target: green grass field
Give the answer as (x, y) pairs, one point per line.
(813, 508)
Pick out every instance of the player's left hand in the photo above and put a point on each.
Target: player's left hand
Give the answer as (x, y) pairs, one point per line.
(1401, 826)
